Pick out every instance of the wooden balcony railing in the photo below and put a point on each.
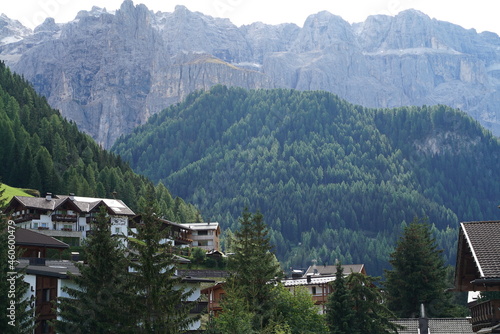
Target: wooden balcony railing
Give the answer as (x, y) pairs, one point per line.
(26, 217)
(64, 218)
(484, 314)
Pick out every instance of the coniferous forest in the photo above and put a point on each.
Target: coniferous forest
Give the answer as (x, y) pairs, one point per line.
(41, 150)
(334, 180)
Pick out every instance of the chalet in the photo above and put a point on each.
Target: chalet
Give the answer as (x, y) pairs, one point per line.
(35, 245)
(46, 279)
(70, 217)
(179, 235)
(214, 294)
(317, 280)
(478, 270)
(205, 235)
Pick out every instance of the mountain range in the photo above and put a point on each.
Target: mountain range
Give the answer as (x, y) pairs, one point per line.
(111, 71)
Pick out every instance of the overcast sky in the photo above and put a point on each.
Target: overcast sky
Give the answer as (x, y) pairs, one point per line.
(478, 14)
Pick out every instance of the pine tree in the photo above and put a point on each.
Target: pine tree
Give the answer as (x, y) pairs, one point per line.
(161, 301)
(340, 315)
(253, 268)
(101, 302)
(17, 318)
(371, 314)
(418, 274)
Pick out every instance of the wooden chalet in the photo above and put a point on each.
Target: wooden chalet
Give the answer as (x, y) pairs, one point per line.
(70, 217)
(478, 269)
(35, 245)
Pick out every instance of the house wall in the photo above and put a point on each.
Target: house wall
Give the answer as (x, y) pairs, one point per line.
(30, 292)
(62, 283)
(46, 293)
(206, 239)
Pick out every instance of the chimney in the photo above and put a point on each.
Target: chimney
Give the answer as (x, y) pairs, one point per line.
(72, 196)
(48, 196)
(423, 321)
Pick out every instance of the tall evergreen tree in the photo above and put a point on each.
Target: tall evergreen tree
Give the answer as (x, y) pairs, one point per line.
(371, 314)
(101, 302)
(418, 274)
(17, 313)
(161, 301)
(253, 266)
(340, 315)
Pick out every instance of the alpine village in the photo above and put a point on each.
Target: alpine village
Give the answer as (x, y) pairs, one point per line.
(171, 172)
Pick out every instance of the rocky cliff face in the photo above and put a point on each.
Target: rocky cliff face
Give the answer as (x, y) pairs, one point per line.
(110, 71)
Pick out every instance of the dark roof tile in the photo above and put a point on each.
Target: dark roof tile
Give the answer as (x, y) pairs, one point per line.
(484, 241)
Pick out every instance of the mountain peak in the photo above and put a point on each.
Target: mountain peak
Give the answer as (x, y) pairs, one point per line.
(49, 25)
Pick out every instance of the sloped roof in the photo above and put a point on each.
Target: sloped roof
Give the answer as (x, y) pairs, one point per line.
(87, 204)
(202, 226)
(436, 326)
(37, 202)
(53, 268)
(483, 238)
(25, 237)
(478, 260)
(83, 204)
(303, 281)
(332, 269)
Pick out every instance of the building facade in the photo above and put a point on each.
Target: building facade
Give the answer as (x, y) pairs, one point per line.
(205, 235)
(70, 217)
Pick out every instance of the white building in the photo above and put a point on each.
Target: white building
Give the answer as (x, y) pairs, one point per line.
(70, 216)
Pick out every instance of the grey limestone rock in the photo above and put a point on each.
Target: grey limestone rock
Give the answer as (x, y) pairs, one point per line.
(110, 71)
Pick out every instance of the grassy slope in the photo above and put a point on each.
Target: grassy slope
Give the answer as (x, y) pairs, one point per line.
(11, 192)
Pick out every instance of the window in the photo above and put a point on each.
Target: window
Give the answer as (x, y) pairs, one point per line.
(203, 232)
(313, 289)
(35, 225)
(118, 230)
(46, 295)
(44, 325)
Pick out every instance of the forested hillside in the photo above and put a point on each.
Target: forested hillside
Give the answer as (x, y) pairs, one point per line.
(41, 150)
(333, 180)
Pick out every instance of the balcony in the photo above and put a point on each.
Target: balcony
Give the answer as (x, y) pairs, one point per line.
(64, 218)
(484, 314)
(63, 232)
(198, 307)
(25, 217)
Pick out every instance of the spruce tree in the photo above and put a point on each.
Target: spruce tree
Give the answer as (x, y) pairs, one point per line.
(340, 314)
(160, 299)
(418, 274)
(17, 314)
(254, 268)
(371, 314)
(101, 302)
